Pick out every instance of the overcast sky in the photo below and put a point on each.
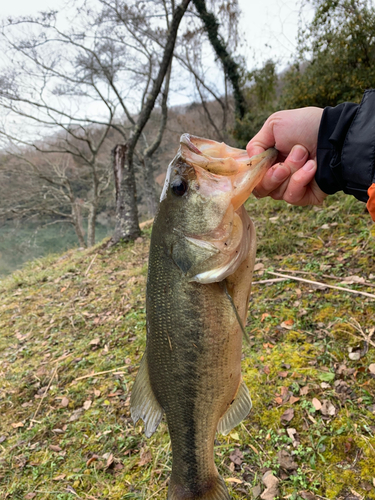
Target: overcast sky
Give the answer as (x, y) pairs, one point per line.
(270, 26)
(269, 29)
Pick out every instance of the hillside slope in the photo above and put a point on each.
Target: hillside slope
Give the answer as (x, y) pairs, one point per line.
(72, 332)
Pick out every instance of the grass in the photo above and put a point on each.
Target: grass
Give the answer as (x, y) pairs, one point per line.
(66, 432)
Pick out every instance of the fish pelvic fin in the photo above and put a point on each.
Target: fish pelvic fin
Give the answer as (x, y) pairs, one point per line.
(213, 490)
(143, 403)
(238, 410)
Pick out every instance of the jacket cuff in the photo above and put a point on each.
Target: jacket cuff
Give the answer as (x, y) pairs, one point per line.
(346, 148)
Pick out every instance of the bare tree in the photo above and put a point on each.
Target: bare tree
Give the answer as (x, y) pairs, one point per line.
(81, 79)
(73, 80)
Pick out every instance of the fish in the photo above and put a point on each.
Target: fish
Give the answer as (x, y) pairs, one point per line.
(201, 261)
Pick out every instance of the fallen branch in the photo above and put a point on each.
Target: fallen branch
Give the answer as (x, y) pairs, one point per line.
(98, 373)
(91, 263)
(274, 280)
(330, 276)
(45, 392)
(318, 283)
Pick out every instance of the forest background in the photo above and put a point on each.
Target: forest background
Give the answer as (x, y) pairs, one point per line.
(77, 82)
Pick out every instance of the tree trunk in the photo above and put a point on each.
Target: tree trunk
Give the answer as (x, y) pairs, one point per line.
(91, 222)
(127, 226)
(77, 221)
(231, 68)
(149, 187)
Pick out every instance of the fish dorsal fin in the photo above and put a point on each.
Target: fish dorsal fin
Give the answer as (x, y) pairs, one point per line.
(143, 404)
(237, 411)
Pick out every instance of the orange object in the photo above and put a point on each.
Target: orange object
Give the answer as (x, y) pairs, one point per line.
(371, 201)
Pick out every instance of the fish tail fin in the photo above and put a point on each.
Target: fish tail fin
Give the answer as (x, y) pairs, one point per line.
(215, 490)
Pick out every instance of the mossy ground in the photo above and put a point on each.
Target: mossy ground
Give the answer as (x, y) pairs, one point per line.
(65, 429)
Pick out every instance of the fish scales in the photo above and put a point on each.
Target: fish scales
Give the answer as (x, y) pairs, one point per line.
(191, 370)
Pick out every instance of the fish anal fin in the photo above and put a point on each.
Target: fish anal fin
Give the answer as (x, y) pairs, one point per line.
(143, 404)
(237, 411)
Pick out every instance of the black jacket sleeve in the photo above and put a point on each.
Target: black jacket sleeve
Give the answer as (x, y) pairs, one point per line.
(346, 148)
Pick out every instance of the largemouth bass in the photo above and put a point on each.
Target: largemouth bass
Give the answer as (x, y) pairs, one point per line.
(199, 278)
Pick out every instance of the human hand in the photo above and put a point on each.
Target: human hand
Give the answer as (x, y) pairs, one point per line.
(294, 133)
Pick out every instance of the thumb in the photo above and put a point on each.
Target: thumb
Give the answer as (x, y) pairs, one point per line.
(263, 140)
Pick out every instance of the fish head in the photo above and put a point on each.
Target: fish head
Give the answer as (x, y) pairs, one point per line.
(206, 186)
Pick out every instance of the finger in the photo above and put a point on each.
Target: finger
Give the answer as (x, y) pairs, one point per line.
(263, 140)
(276, 175)
(298, 185)
(276, 181)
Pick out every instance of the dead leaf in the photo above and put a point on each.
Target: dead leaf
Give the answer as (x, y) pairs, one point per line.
(70, 489)
(293, 400)
(328, 408)
(286, 461)
(266, 370)
(259, 266)
(236, 457)
(279, 400)
(95, 341)
(287, 324)
(29, 496)
(233, 480)
(254, 449)
(97, 393)
(316, 404)
(307, 495)
(145, 457)
(304, 390)
(271, 482)
(17, 425)
(372, 368)
(264, 316)
(256, 491)
(288, 415)
(59, 478)
(292, 434)
(350, 280)
(283, 374)
(109, 460)
(75, 415)
(64, 402)
(55, 447)
(2, 439)
(94, 458)
(87, 404)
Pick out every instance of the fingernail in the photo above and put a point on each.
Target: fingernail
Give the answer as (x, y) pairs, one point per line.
(280, 173)
(298, 153)
(309, 166)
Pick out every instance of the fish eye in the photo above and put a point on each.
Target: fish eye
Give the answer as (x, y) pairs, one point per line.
(179, 187)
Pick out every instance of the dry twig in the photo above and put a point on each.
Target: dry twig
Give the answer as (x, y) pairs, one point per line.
(318, 283)
(98, 373)
(45, 392)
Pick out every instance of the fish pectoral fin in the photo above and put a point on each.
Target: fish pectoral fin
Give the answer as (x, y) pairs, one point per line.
(143, 403)
(237, 411)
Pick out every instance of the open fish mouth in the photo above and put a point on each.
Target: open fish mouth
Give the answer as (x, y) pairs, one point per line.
(223, 160)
